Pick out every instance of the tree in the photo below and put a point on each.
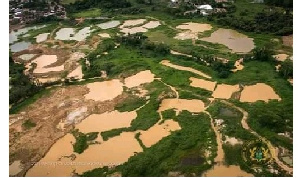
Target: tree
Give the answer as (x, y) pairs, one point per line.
(286, 69)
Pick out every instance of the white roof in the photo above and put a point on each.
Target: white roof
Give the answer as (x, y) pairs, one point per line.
(206, 7)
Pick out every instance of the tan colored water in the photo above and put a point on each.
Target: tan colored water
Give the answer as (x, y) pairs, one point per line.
(115, 151)
(182, 104)
(200, 83)
(195, 27)
(186, 35)
(234, 40)
(133, 30)
(238, 65)
(27, 57)
(15, 168)
(42, 37)
(224, 171)
(178, 67)
(281, 57)
(106, 121)
(102, 91)
(50, 165)
(104, 35)
(139, 78)
(225, 91)
(128, 23)
(43, 61)
(259, 91)
(158, 131)
(77, 73)
(232, 140)
(151, 24)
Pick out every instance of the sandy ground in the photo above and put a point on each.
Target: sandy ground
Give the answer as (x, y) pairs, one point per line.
(288, 40)
(281, 57)
(129, 23)
(104, 35)
(139, 78)
(192, 30)
(238, 64)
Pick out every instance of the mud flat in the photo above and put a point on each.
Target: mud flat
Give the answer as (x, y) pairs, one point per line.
(234, 40)
(42, 37)
(139, 78)
(151, 24)
(178, 67)
(195, 27)
(200, 83)
(108, 25)
(15, 168)
(47, 80)
(20, 46)
(43, 61)
(238, 65)
(133, 30)
(227, 171)
(257, 92)
(106, 121)
(281, 57)
(182, 104)
(129, 23)
(77, 73)
(225, 91)
(52, 165)
(181, 54)
(102, 91)
(158, 132)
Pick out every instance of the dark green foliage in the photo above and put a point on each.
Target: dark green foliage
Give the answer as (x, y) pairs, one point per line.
(99, 172)
(280, 3)
(169, 114)
(262, 54)
(223, 69)
(21, 86)
(82, 139)
(233, 154)
(131, 103)
(28, 124)
(286, 69)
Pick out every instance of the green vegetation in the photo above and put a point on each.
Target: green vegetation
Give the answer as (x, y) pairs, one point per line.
(88, 13)
(28, 124)
(82, 140)
(286, 69)
(131, 103)
(169, 114)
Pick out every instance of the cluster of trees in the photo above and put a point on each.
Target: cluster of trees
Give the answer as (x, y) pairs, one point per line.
(139, 40)
(280, 3)
(274, 22)
(21, 87)
(223, 69)
(107, 4)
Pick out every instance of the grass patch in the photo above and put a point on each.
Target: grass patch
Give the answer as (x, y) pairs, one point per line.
(82, 139)
(28, 124)
(131, 103)
(88, 13)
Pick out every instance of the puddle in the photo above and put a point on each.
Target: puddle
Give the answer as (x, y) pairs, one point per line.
(106, 121)
(43, 61)
(238, 65)
(139, 78)
(158, 131)
(224, 171)
(104, 35)
(20, 46)
(102, 91)
(77, 73)
(15, 168)
(178, 67)
(13, 36)
(259, 91)
(200, 83)
(128, 23)
(108, 25)
(69, 34)
(50, 166)
(225, 91)
(133, 30)
(42, 37)
(281, 57)
(182, 104)
(234, 40)
(151, 24)
(27, 57)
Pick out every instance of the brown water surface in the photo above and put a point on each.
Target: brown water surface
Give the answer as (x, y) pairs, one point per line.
(200, 83)
(102, 91)
(259, 91)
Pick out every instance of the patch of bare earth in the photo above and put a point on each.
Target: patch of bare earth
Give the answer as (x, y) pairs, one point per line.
(54, 115)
